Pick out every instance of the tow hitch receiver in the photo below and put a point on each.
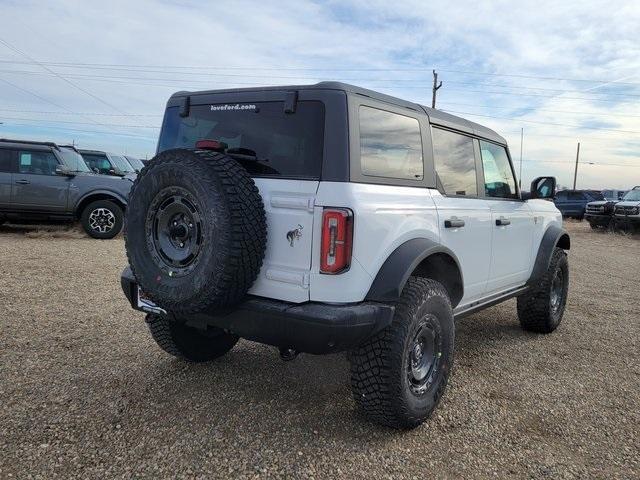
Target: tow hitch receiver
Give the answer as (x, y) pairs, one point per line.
(288, 354)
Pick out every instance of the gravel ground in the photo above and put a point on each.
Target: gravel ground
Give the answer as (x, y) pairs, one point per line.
(84, 392)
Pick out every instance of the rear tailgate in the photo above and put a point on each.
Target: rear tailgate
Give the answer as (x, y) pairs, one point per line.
(287, 262)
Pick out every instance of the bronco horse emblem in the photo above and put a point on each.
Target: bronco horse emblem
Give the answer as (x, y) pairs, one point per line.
(294, 234)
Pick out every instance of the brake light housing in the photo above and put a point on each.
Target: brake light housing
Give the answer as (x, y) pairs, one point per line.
(214, 145)
(337, 240)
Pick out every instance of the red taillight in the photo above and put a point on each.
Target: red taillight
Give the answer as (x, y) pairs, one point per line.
(337, 236)
(210, 145)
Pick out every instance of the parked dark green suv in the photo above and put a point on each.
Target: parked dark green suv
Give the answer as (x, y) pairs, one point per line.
(41, 181)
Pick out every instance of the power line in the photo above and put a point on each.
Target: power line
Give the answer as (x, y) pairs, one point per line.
(100, 132)
(83, 113)
(583, 163)
(322, 69)
(543, 123)
(491, 107)
(20, 52)
(80, 123)
(182, 82)
(296, 77)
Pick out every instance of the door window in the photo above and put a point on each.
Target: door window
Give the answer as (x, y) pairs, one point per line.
(37, 163)
(6, 161)
(499, 181)
(390, 145)
(98, 163)
(455, 163)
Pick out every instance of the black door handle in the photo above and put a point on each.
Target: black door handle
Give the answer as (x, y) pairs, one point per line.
(453, 223)
(23, 182)
(503, 222)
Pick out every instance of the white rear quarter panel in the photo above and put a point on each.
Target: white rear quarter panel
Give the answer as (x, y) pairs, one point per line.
(384, 218)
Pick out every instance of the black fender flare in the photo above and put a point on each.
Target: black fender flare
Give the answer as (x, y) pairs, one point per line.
(398, 267)
(103, 192)
(554, 237)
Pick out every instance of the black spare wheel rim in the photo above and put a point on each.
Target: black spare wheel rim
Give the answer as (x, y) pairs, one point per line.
(424, 356)
(174, 230)
(102, 220)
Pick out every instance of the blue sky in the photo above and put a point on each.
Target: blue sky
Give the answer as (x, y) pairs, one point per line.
(99, 73)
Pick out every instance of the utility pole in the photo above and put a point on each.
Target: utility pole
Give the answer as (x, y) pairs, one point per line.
(575, 174)
(436, 87)
(521, 141)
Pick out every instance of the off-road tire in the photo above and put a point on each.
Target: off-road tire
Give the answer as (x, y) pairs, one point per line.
(535, 310)
(381, 379)
(231, 237)
(111, 209)
(189, 343)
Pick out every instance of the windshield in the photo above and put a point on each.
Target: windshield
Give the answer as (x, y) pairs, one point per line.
(73, 160)
(267, 141)
(121, 164)
(632, 195)
(136, 163)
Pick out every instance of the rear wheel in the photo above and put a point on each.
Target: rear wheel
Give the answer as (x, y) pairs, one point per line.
(102, 219)
(399, 375)
(189, 343)
(541, 309)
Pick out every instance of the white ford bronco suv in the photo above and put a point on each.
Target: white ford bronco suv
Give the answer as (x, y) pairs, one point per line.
(328, 218)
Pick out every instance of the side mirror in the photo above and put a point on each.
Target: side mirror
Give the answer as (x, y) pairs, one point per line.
(64, 171)
(543, 187)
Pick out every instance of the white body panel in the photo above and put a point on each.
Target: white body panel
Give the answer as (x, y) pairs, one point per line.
(289, 205)
(492, 258)
(384, 218)
(471, 244)
(511, 244)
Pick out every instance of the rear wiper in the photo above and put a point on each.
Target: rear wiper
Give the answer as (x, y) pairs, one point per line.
(257, 164)
(245, 154)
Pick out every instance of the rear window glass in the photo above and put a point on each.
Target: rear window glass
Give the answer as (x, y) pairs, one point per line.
(390, 145)
(268, 141)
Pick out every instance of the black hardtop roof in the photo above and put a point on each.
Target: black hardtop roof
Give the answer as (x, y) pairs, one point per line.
(31, 143)
(436, 117)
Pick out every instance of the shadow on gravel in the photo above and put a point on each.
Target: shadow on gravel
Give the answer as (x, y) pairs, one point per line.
(65, 230)
(311, 393)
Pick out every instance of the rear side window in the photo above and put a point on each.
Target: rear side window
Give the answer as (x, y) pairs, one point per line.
(37, 162)
(390, 145)
(455, 163)
(266, 140)
(7, 160)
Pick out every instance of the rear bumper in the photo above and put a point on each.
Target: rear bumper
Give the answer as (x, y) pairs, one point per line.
(308, 327)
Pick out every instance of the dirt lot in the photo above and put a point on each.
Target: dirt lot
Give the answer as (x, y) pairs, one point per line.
(85, 393)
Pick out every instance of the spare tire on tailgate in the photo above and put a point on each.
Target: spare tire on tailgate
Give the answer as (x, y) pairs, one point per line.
(195, 230)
